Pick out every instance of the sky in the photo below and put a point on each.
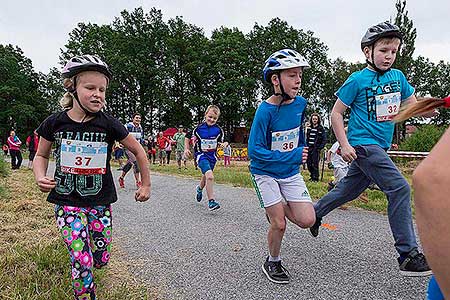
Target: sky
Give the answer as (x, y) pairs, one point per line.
(41, 28)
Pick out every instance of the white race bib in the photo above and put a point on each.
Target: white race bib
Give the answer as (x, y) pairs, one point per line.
(285, 141)
(387, 106)
(136, 135)
(83, 158)
(208, 145)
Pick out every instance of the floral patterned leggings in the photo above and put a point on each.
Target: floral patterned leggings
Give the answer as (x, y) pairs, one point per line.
(87, 234)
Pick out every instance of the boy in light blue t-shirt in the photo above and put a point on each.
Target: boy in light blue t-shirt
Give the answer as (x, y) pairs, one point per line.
(276, 148)
(375, 95)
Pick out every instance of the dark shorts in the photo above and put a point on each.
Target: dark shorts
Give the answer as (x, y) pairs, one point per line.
(32, 155)
(118, 153)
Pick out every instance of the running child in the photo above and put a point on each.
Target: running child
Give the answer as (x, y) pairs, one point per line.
(82, 188)
(375, 95)
(277, 148)
(208, 136)
(135, 129)
(337, 163)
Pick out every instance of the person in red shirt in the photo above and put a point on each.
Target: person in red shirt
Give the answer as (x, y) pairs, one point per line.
(162, 143)
(14, 144)
(32, 142)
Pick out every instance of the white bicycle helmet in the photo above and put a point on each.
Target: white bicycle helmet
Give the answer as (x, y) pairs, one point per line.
(82, 63)
(282, 60)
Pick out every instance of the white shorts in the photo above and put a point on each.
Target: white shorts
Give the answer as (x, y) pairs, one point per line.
(271, 191)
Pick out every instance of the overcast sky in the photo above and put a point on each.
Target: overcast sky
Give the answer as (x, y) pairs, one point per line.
(41, 28)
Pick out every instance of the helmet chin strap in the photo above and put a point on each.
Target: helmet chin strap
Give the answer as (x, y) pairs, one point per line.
(87, 113)
(283, 94)
(372, 64)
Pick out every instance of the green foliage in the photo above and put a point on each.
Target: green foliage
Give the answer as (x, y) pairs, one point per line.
(169, 71)
(4, 167)
(406, 25)
(21, 98)
(423, 139)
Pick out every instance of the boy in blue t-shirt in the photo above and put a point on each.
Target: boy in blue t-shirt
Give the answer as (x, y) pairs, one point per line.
(276, 148)
(375, 95)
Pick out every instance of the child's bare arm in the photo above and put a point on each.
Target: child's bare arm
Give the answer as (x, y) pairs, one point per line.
(40, 166)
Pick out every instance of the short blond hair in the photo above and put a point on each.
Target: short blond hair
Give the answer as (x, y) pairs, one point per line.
(214, 108)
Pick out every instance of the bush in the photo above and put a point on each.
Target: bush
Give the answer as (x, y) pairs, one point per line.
(423, 139)
(4, 169)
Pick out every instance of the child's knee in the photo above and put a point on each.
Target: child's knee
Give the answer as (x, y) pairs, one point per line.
(278, 224)
(306, 221)
(209, 176)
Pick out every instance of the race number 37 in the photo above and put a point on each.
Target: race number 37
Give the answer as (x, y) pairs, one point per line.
(83, 158)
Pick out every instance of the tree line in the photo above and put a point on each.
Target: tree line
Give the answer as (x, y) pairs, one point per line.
(171, 71)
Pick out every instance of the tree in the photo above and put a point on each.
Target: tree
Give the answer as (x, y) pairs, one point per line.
(21, 98)
(409, 32)
(278, 35)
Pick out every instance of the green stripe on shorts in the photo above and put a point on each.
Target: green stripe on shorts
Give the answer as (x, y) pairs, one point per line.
(258, 192)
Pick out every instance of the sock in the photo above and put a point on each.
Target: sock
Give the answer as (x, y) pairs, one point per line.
(274, 258)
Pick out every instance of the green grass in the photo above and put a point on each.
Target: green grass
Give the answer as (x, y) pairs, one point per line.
(239, 175)
(34, 262)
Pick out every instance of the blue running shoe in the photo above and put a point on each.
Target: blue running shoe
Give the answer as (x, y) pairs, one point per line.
(199, 194)
(213, 205)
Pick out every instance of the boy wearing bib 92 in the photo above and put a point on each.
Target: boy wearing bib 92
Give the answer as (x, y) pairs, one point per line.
(375, 95)
(82, 188)
(276, 148)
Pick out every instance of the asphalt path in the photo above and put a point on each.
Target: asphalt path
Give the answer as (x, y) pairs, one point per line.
(178, 245)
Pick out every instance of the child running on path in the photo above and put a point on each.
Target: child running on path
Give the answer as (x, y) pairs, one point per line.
(276, 148)
(135, 129)
(374, 95)
(208, 136)
(82, 188)
(339, 165)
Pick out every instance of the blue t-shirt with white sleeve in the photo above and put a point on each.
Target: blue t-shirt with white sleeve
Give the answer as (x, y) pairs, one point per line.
(374, 100)
(276, 139)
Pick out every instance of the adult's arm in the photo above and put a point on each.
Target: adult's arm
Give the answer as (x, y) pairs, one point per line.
(431, 181)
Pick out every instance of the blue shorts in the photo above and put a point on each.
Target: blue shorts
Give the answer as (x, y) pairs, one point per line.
(205, 165)
(118, 153)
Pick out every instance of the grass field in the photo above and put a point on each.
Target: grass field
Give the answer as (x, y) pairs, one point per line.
(238, 175)
(34, 263)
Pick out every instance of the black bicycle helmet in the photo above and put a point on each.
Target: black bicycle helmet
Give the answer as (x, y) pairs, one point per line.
(382, 30)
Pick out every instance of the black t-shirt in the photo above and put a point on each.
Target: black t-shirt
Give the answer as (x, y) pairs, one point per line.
(82, 190)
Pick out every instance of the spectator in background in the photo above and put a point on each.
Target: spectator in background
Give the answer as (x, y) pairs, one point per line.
(226, 154)
(168, 149)
(14, 144)
(151, 146)
(179, 148)
(5, 149)
(32, 142)
(161, 142)
(316, 138)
